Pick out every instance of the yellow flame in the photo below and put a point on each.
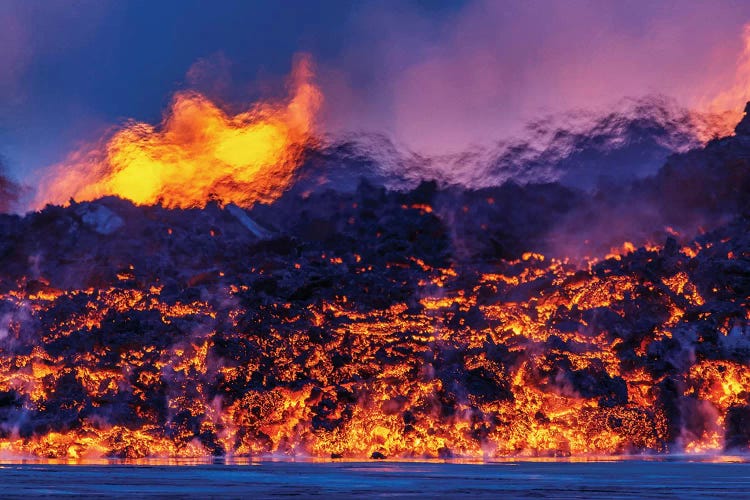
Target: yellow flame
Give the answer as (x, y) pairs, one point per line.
(198, 152)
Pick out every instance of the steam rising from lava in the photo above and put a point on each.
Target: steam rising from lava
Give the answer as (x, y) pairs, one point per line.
(198, 152)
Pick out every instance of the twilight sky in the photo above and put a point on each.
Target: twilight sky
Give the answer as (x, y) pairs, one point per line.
(434, 75)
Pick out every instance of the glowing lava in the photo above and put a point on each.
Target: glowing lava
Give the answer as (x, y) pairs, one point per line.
(197, 153)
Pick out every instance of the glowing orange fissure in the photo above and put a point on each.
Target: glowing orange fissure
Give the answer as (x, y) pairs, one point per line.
(197, 153)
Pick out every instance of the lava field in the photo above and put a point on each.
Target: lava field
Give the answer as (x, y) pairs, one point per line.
(432, 322)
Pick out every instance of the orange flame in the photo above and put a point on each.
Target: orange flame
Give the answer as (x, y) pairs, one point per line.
(198, 152)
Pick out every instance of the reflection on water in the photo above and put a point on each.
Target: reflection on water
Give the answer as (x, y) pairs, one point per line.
(266, 459)
(652, 477)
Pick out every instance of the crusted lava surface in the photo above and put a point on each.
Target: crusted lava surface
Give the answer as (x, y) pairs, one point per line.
(376, 323)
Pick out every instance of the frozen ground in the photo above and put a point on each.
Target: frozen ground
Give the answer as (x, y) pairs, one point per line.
(610, 480)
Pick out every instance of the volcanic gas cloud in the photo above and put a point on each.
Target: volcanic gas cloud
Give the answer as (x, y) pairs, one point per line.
(204, 294)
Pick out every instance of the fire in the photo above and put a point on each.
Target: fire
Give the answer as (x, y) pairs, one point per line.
(197, 153)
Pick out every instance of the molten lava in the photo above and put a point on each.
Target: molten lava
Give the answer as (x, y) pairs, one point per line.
(197, 153)
(372, 342)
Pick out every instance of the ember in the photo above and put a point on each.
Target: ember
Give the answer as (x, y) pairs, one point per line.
(375, 323)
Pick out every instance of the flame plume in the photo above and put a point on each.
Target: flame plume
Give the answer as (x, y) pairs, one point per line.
(198, 152)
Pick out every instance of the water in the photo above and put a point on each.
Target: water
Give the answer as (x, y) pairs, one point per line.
(610, 480)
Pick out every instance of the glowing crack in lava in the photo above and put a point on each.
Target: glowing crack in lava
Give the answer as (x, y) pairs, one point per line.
(197, 153)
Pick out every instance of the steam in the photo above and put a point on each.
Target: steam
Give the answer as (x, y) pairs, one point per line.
(576, 185)
(483, 71)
